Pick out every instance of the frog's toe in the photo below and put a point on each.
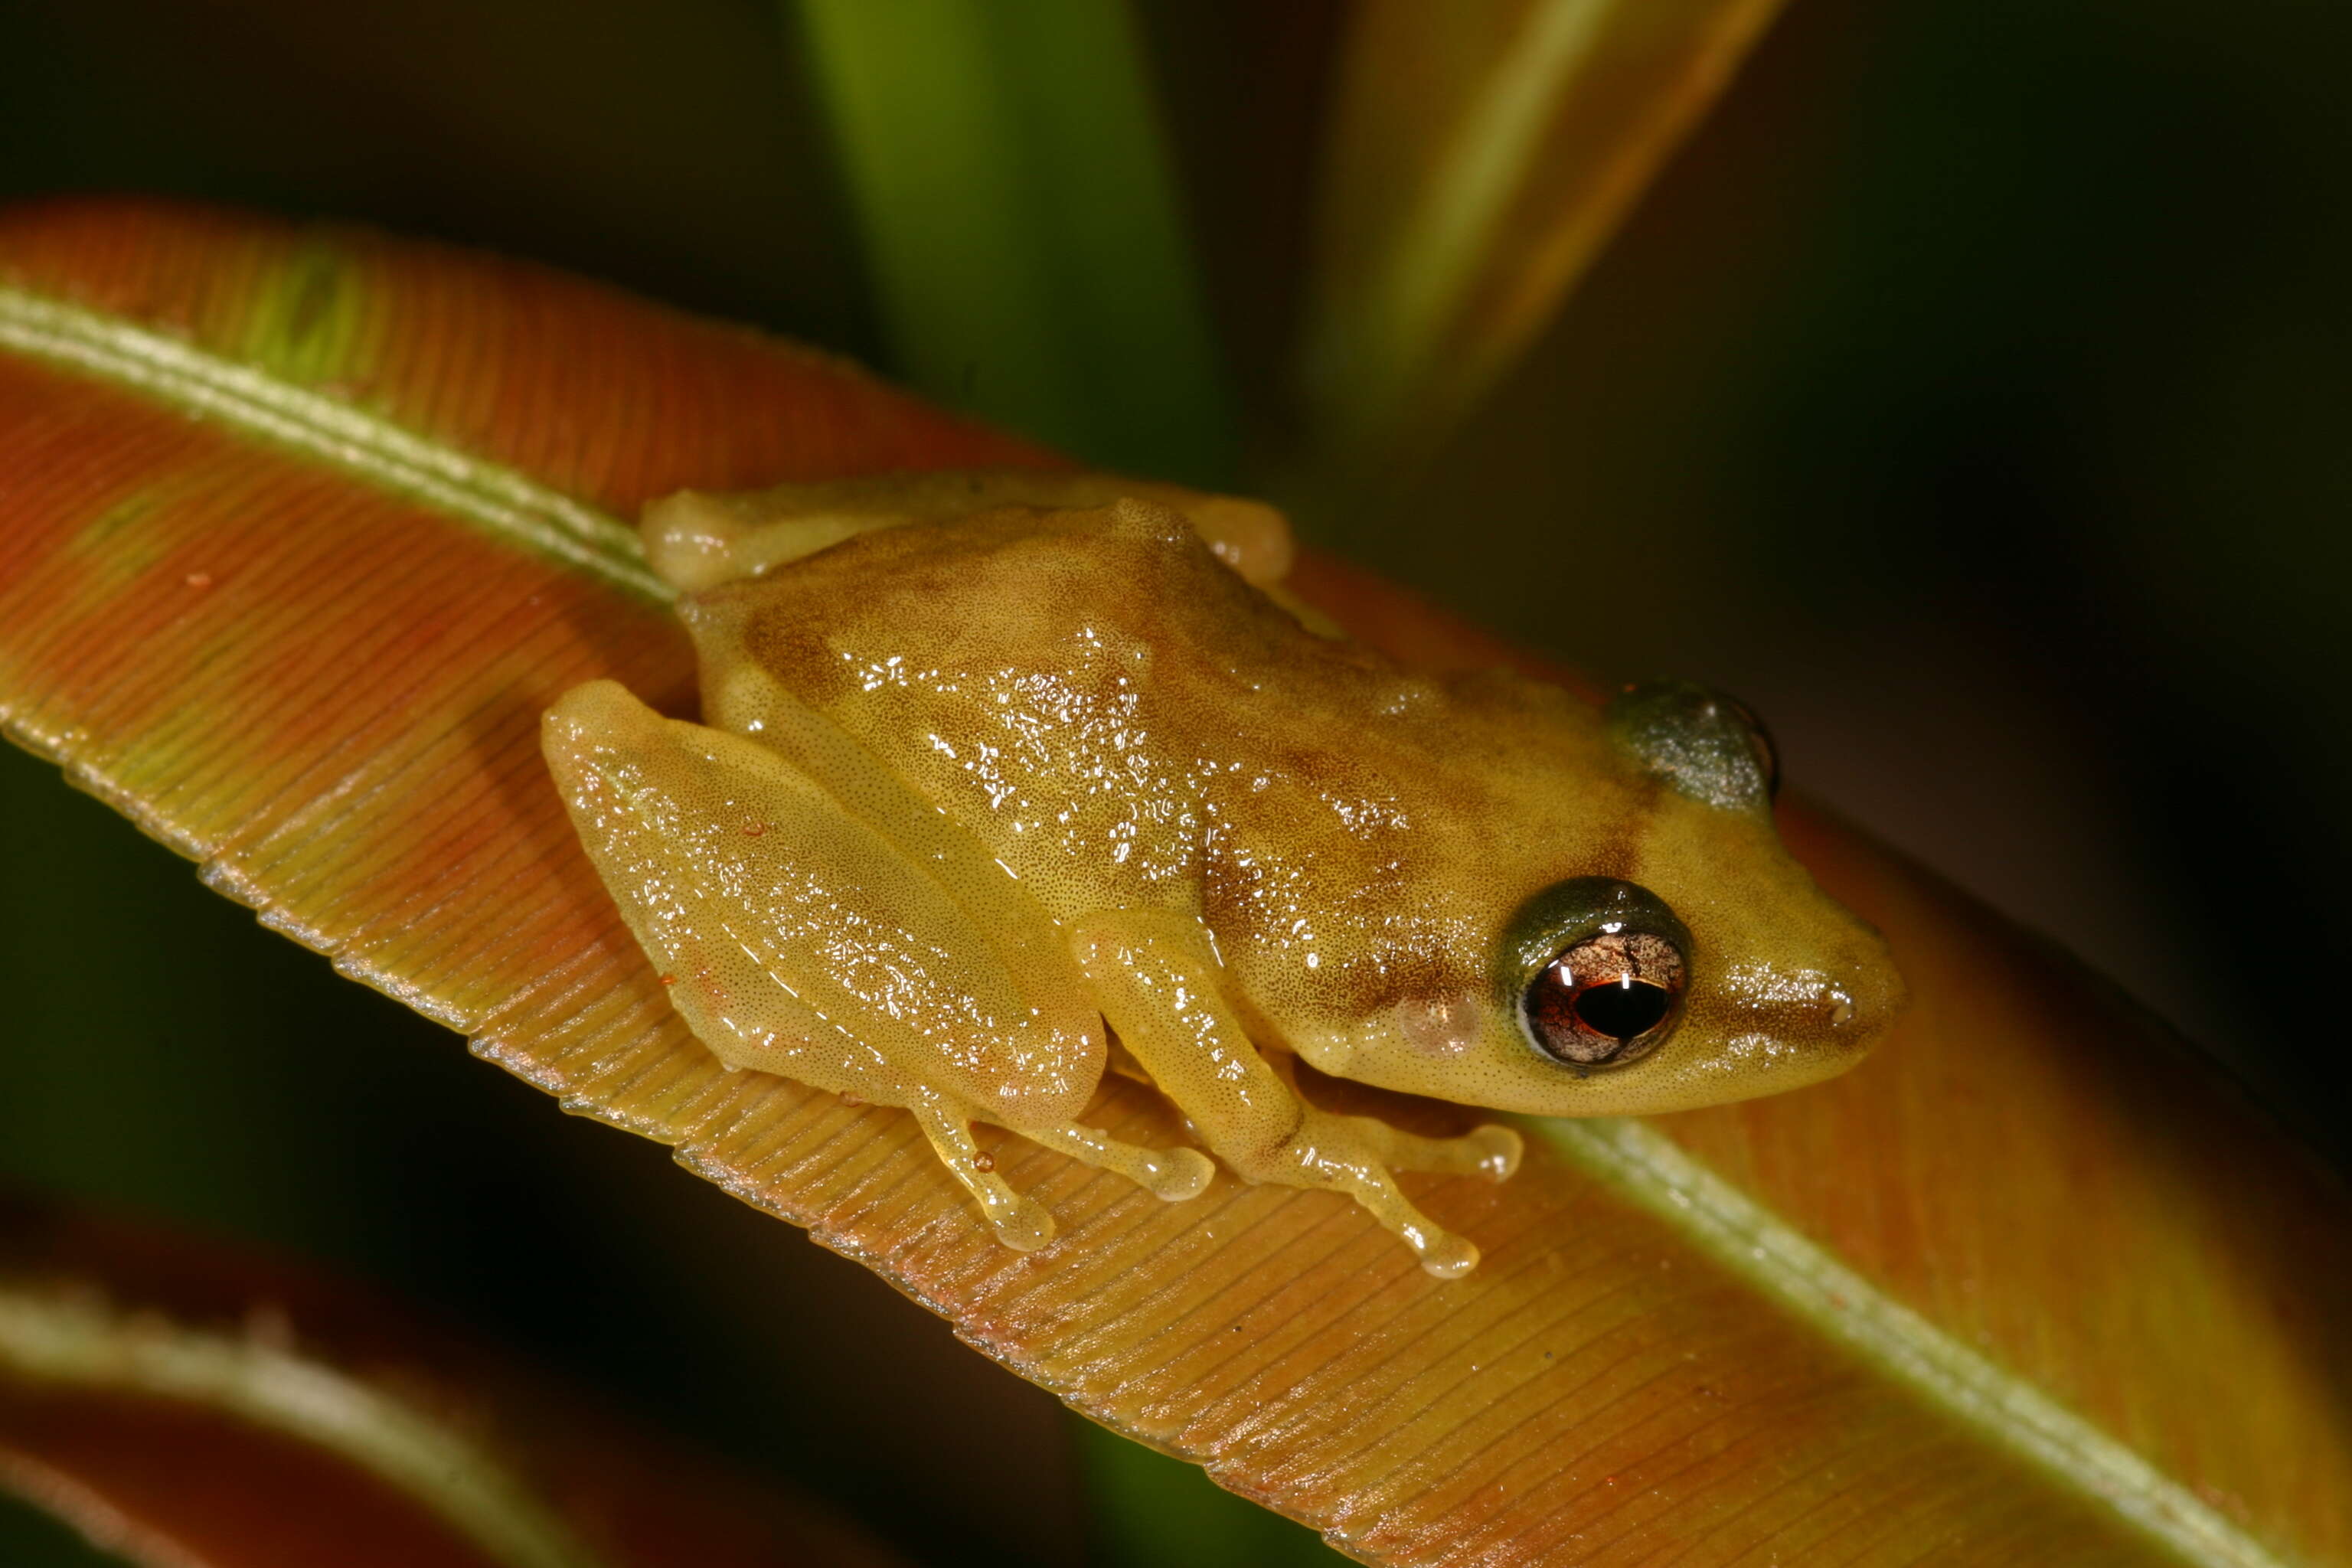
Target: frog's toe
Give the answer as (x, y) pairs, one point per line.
(1497, 1149)
(1491, 1151)
(1020, 1224)
(1176, 1174)
(1444, 1254)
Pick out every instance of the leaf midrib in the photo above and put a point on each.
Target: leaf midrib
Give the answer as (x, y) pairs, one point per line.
(1724, 1223)
(491, 497)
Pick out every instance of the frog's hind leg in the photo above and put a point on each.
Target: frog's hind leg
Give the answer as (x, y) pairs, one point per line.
(1155, 977)
(881, 955)
(696, 539)
(1019, 1222)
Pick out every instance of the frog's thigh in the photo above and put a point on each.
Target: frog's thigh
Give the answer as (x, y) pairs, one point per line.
(664, 806)
(1155, 977)
(792, 903)
(748, 700)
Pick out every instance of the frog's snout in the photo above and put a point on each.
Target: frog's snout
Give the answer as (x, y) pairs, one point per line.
(1829, 1012)
(1850, 1010)
(1865, 1001)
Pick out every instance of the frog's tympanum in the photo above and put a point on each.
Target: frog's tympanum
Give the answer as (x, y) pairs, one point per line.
(989, 759)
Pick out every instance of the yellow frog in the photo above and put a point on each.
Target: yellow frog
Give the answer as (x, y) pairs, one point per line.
(988, 759)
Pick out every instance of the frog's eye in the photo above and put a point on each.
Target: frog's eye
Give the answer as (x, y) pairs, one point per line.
(1610, 998)
(1598, 967)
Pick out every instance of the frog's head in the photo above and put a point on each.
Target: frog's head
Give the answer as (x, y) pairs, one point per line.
(1708, 967)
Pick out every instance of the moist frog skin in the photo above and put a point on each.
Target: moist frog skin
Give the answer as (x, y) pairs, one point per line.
(992, 760)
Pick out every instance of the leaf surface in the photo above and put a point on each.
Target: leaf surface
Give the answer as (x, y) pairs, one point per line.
(300, 531)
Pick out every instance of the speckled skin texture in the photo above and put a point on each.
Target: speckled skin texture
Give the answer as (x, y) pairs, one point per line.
(973, 785)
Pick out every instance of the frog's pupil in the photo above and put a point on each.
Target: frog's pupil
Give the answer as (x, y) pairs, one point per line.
(1622, 1010)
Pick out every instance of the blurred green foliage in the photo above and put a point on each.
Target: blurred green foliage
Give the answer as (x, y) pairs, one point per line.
(1019, 222)
(29, 1539)
(1970, 396)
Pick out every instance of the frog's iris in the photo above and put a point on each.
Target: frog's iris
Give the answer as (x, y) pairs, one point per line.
(1606, 999)
(1600, 967)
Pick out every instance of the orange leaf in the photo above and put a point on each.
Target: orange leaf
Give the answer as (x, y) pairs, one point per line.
(303, 528)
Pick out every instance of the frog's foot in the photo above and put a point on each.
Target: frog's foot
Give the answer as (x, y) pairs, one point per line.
(1020, 1223)
(1338, 1152)
(1174, 1174)
(1155, 976)
(1491, 1151)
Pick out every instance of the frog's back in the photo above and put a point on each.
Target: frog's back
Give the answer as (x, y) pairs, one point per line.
(1125, 723)
(1071, 686)
(1094, 595)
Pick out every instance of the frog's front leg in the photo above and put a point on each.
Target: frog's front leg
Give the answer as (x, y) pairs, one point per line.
(1155, 976)
(800, 938)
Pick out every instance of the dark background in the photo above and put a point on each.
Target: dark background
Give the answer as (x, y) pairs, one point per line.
(1971, 396)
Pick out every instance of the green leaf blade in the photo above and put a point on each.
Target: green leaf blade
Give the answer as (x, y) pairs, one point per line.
(1022, 223)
